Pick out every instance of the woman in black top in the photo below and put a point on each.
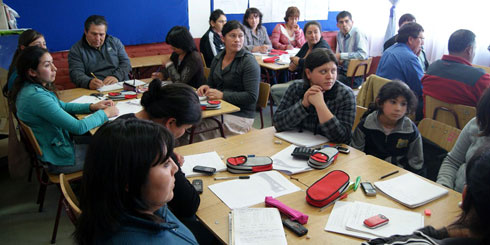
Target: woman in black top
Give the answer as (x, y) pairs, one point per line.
(185, 63)
(211, 42)
(314, 39)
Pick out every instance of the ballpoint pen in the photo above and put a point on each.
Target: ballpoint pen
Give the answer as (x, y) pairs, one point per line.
(236, 177)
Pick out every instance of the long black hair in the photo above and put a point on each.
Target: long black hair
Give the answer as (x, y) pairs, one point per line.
(28, 59)
(25, 39)
(116, 169)
(316, 58)
(175, 100)
(476, 202)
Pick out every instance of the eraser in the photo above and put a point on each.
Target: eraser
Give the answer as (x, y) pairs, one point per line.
(278, 142)
(427, 212)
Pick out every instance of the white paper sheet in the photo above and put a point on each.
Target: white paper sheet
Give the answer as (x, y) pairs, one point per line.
(231, 6)
(247, 192)
(401, 222)
(284, 162)
(316, 10)
(208, 159)
(305, 138)
(338, 219)
(86, 99)
(198, 11)
(128, 106)
(280, 6)
(257, 226)
(265, 6)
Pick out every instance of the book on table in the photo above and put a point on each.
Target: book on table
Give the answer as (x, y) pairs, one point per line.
(410, 190)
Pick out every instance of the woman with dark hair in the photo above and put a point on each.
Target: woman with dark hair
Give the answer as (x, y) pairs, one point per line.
(314, 39)
(26, 39)
(288, 35)
(256, 37)
(472, 226)
(318, 102)
(385, 131)
(36, 103)
(127, 182)
(474, 135)
(212, 41)
(176, 106)
(185, 63)
(234, 77)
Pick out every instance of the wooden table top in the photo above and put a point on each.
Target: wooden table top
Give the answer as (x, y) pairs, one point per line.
(145, 61)
(270, 66)
(214, 213)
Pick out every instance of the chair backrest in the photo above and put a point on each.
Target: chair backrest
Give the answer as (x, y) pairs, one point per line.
(370, 90)
(359, 112)
(439, 133)
(203, 60)
(31, 138)
(72, 204)
(206, 72)
(486, 68)
(450, 114)
(264, 90)
(355, 66)
(374, 65)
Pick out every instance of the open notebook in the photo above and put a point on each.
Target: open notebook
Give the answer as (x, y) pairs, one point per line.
(410, 190)
(256, 226)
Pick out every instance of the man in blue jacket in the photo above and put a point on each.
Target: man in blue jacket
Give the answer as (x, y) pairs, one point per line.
(98, 59)
(400, 61)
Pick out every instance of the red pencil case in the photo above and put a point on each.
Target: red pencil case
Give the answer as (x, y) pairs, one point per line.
(271, 59)
(278, 52)
(328, 188)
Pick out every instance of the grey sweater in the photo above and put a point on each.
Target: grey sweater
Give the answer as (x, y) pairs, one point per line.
(110, 60)
(239, 81)
(453, 169)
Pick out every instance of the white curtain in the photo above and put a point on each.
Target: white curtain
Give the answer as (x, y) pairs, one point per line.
(439, 18)
(391, 29)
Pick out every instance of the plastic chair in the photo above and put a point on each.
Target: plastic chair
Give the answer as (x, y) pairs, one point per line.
(70, 201)
(359, 112)
(441, 134)
(451, 114)
(264, 92)
(355, 69)
(45, 178)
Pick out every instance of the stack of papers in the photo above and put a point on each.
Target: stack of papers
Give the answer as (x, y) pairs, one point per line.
(84, 99)
(284, 162)
(208, 159)
(256, 226)
(305, 138)
(119, 85)
(410, 190)
(243, 193)
(348, 218)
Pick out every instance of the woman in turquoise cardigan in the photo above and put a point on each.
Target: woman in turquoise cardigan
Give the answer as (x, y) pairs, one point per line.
(36, 103)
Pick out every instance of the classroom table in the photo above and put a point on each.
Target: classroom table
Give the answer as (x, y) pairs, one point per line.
(146, 61)
(214, 213)
(71, 94)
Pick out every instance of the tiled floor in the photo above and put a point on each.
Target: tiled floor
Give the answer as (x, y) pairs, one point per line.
(21, 223)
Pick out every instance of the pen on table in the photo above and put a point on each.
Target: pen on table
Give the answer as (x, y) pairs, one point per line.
(236, 177)
(389, 174)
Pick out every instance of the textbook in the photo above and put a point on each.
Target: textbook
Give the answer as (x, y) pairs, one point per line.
(410, 190)
(256, 226)
(304, 138)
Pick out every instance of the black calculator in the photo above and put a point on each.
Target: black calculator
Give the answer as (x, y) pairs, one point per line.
(303, 152)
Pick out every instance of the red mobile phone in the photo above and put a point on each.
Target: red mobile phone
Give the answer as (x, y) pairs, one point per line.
(376, 221)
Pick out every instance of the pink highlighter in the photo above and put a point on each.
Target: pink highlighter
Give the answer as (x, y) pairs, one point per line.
(291, 213)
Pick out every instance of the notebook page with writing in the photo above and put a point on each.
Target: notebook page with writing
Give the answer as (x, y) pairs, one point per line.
(410, 190)
(257, 226)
